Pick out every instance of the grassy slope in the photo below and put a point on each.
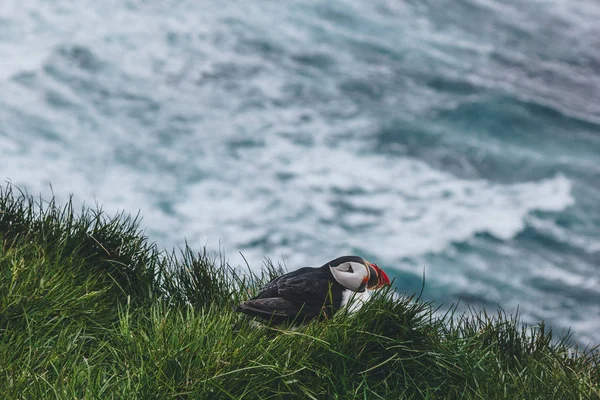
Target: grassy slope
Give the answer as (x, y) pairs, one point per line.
(90, 309)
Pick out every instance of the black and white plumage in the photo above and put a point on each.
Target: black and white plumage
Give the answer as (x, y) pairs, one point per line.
(310, 293)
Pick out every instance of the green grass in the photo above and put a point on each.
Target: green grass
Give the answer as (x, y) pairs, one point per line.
(89, 308)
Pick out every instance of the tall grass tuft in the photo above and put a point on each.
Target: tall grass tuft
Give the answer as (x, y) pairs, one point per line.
(89, 308)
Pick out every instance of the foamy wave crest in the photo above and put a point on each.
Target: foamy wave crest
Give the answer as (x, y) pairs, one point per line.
(334, 201)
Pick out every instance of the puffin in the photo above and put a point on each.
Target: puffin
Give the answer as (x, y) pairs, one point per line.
(314, 293)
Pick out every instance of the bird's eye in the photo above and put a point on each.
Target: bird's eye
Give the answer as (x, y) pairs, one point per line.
(350, 268)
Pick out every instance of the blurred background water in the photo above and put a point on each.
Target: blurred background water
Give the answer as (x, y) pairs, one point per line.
(461, 138)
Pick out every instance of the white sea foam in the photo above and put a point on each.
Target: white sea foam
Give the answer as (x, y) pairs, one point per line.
(390, 207)
(335, 198)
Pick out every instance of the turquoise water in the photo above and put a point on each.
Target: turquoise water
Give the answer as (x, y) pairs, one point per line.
(460, 139)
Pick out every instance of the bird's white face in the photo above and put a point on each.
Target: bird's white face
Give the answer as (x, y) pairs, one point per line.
(352, 275)
(357, 274)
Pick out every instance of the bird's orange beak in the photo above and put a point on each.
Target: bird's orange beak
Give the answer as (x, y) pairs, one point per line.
(377, 277)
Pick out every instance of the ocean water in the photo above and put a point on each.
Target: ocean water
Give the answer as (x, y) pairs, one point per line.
(457, 139)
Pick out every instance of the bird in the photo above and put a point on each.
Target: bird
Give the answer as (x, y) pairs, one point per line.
(314, 293)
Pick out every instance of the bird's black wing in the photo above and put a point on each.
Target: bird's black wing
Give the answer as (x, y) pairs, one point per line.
(270, 289)
(305, 285)
(303, 294)
(307, 289)
(271, 307)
